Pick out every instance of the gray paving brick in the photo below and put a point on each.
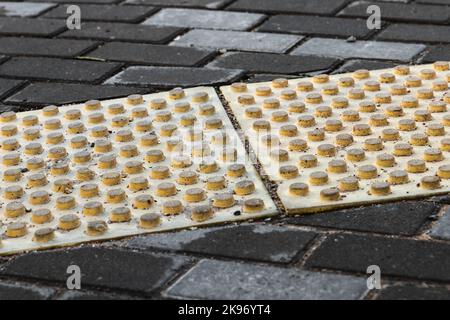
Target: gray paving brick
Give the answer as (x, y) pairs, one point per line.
(416, 33)
(24, 9)
(237, 40)
(403, 218)
(400, 12)
(57, 69)
(271, 63)
(289, 6)
(422, 260)
(312, 25)
(152, 54)
(441, 229)
(7, 86)
(166, 77)
(231, 281)
(360, 49)
(45, 47)
(413, 292)
(255, 242)
(356, 64)
(105, 13)
(99, 267)
(123, 32)
(438, 53)
(30, 27)
(205, 19)
(209, 4)
(22, 291)
(40, 94)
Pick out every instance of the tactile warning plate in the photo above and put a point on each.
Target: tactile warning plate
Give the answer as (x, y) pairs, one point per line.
(347, 139)
(122, 167)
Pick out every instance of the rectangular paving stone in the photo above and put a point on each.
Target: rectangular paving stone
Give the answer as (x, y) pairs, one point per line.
(166, 77)
(105, 13)
(7, 86)
(57, 69)
(152, 54)
(24, 9)
(238, 40)
(211, 279)
(41, 94)
(271, 63)
(327, 7)
(413, 292)
(205, 19)
(402, 218)
(312, 25)
(254, 242)
(357, 64)
(359, 49)
(423, 260)
(24, 291)
(416, 33)
(30, 27)
(123, 32)
(441, 230)
(399, 12)
(209, 4)
(99, 267)
(437, 53)
(45, 47)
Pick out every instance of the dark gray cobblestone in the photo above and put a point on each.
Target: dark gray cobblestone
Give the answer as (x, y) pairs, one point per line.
(45, 47)
(123, 32)
(438, 53)
(152, 54)
(41, 94)
(289, 6)
(272, 63)
(57, 69)
(108, 268)
(423, 260)
(8, 85)
(416, 33)
(105, 13)
(311, 25)
(404, 218)
(30, 27)
(400, 12)
(254, 242)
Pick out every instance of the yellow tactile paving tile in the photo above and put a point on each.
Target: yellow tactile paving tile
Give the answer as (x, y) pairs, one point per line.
(350, 139)
(109, 169)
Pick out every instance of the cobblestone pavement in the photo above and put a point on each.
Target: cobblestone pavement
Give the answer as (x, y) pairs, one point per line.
(141, 46)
